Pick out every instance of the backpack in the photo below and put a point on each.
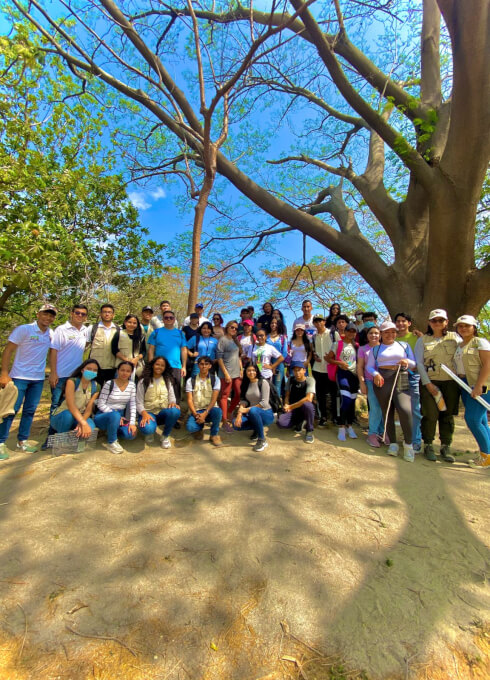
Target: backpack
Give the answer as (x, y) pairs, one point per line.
(275, 400)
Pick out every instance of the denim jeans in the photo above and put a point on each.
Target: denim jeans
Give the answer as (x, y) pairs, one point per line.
(110, 422)
(166, 417)
(56, 393)
(376, 423)
(476, 418)
(64, 422)
(255, 420)
(278, 379)
(214, 417)
(414, 382)
(29, 392)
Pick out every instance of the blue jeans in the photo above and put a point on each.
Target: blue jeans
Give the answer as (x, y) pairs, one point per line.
(475, 416)
(56, 393)
(167, 416)
(414, 382)
(376, 423)
(278, 379)
(64, 422)
(110, 422)
(214, 417)
(255, 420)
(30, 392)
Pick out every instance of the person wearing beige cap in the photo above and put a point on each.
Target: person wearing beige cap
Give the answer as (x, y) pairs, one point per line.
(30, 344)
(472, 362)
(437, 347)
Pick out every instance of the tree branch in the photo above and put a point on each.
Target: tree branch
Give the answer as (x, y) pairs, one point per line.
(430, 83)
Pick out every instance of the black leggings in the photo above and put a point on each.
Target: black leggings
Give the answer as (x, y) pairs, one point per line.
(401, 401)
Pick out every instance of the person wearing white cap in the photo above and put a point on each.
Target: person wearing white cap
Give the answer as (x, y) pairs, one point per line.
(437, 347)
(389, 361)
(30, 343)
(472, 361)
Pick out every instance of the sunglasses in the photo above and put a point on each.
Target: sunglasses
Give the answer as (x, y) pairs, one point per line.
(80, 313)
(168, 318)
(437, 320)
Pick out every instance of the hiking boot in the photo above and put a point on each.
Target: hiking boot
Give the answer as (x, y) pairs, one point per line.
(309, 439)
(3, 452)
(115, 447)
(215, 440)
(351, 433)
(260, 445)
(198, 435)
(445, 454)
(373, 440)
(341, 434)
(165, 442)
(393, 450)
(429, 452)
(26, 447)
(408, 453)
(482, 463)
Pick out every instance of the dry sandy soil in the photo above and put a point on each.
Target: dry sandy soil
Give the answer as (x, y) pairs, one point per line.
(207, 563)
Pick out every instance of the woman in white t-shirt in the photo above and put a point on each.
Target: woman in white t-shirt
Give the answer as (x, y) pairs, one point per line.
(263, 356)
(472, 361)
(344, 355)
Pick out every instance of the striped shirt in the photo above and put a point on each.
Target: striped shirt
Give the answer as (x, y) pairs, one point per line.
(118, 400)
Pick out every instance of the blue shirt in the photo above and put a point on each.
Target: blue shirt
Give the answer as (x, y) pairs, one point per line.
(168, 342)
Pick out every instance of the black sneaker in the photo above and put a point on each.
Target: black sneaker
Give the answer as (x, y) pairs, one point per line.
(254, 436)
(297, 428)
(323, 422)
(429, 452)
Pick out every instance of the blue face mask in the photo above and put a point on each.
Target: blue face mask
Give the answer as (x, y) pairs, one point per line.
(89, 375)
(369, 324)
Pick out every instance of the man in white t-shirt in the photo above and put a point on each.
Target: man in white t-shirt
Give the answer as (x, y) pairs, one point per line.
(157, 320)
(199, 310)
(30, 344)
(307, 319)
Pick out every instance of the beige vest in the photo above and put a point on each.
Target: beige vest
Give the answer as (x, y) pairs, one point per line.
(156, 396)
(472, 362)
(82, 397)
(439, 351)
(101, 348)
(126, 347)
(203, 391)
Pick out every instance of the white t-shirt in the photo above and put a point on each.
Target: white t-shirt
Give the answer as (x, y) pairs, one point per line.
(32, 349)
(263, 355)
(310, 328)
(483, 345)
(70, 344)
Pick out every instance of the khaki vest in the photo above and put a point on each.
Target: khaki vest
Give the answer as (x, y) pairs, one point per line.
(472, 362)
(101, 348)
(82, 397)
(203, 391)
(126, 347)
(437, 352)
(156, 396)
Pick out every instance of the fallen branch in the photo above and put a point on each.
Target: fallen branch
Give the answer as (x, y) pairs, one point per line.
(100, 637)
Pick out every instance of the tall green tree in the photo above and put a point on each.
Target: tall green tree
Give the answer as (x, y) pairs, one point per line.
(67, 228)
(424, 123)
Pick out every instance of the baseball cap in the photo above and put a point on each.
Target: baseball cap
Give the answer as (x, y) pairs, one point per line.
(466, 318)
(351, 327)
(387, 326)
(201, 306)
(247, 322)
(438, 313)
(48, 308)
(318, 317)
(297, 364)
(147, 309)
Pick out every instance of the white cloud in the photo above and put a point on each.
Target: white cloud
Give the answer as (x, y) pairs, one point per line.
(157, 193)
(137, 198)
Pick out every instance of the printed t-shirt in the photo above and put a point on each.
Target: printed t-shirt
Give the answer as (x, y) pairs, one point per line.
(32, 349)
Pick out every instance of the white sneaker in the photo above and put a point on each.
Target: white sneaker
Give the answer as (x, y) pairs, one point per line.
(166, 443)
(351, 433)
(26, 447)
(408, 453)
(115, 447)
(341, 435)
(392, 450)
(149, 438)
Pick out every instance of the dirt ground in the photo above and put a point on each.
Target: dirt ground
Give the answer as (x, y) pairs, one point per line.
(304, 561)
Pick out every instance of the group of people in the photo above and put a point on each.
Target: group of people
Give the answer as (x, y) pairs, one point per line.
(246, 373)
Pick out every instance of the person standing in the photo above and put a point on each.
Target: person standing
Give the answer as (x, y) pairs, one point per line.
(306, 320)
(472, 360)
(230, 372)
(298, 402)
(199, 310)
(344, 355)
(202, 345)
(100, 338)
(67, 348)
(157, 320)
(218, 321)
(278, 339)
(128, 344)
(146, 317)
(437, 347)
(322, 344)
(247, 341)
(376, 423)
(263, 355)
(264, 321)
(403, 323)
(30, 344)
(202, 391)
(169, 342)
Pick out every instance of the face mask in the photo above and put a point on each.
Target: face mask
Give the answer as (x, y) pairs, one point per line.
(369, 324)
(89, 375)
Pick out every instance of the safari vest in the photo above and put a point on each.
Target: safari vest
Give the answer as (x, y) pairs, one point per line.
(472, 362)
(439, 351)
(126, 347)
(82, 397)
(101, 348)
(202, 393)
(156, 396)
